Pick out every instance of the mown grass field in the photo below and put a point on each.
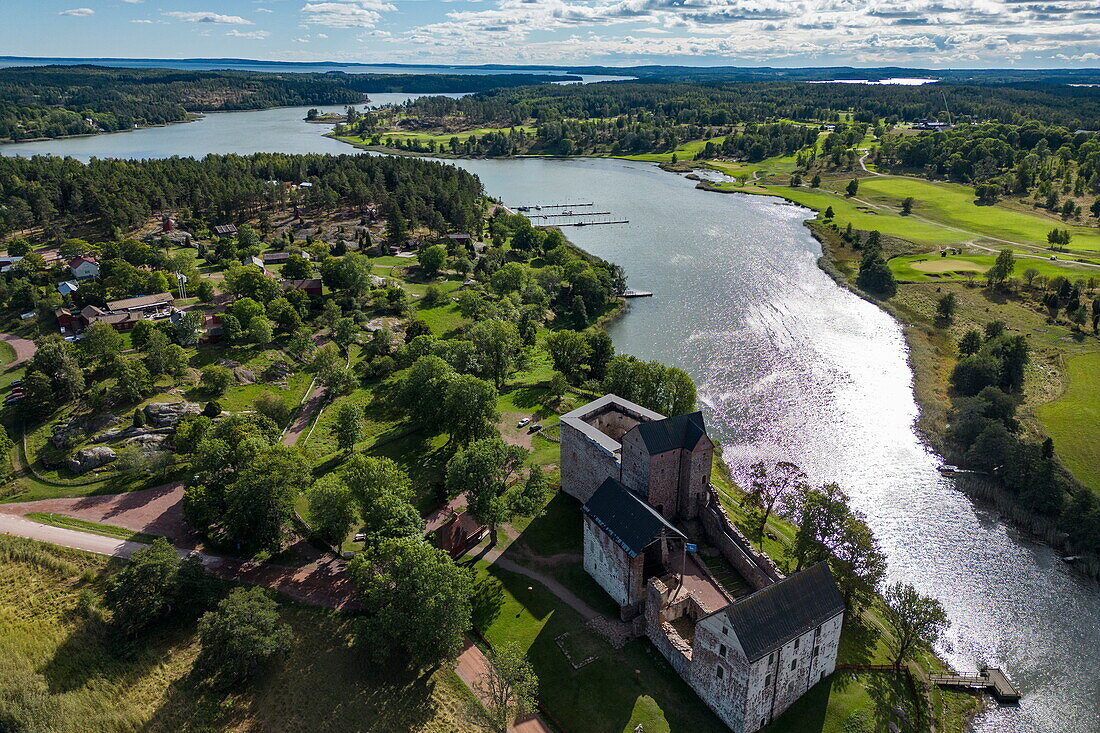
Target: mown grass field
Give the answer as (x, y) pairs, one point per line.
(931, 267)
(1072, 419)
(61, 672)
(953, 205)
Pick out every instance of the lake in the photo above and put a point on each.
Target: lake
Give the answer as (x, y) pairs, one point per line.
(789, 366)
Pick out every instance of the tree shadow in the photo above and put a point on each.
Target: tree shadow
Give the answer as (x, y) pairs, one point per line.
(487, 601)
(858, 641)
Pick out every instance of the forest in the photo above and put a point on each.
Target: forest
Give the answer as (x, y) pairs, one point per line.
(58, 194)
(721, 104)
(54, 101)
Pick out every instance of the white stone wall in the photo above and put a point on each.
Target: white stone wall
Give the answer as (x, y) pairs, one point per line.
(714, 650)
(610, 566)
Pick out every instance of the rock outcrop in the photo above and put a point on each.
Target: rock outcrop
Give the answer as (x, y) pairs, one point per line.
(86, 459)
(168, 414)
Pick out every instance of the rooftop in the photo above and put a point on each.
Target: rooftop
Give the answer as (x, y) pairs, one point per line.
(580, 417)
(626, 517)
(672, 433)
(772, 616)
(141, 301)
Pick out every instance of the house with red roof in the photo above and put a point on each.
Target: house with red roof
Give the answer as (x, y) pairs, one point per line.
(83, 268)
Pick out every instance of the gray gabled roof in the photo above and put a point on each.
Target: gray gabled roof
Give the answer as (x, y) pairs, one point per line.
(772, 616)
(672, 433)
(625, 517)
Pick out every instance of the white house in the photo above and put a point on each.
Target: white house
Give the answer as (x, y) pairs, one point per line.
(83, 268)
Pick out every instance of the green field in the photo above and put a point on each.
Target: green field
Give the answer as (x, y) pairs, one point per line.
(931, 267)
(953, 205)
(868, 218)
(60, 670)
(1072, 420)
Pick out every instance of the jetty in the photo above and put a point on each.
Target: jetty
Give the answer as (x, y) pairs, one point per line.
(631, 293)
(991, 679)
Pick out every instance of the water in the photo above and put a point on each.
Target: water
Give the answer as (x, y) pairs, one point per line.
(286, 67)
(789, 366)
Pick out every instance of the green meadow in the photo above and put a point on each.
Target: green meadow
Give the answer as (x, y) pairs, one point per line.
(1071, 420)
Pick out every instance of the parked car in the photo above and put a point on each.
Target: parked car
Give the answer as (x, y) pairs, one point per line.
(360, 537)
(534, 428)
(523, 422)
(16, 382)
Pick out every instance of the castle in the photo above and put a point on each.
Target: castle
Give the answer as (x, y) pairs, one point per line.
(748, 640)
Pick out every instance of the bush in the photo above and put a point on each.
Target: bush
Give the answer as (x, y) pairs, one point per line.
(216, 379)
(212, 409)
(273, 406)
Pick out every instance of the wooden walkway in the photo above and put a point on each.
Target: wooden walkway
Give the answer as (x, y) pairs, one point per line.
(990, 679)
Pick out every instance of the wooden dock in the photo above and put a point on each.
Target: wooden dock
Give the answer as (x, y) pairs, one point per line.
(991, 679)
(591, 223)
(540, 207)
(637, 294)
(569, 213)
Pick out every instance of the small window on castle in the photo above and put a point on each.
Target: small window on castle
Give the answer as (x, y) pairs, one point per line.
(796, 644)
(725, 631)
(721, 650)
(767, 680)
(721, 673)
(816, 649)
(771, 658)
(817, 633)
(794, 663)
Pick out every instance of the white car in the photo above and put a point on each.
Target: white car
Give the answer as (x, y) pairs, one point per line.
(523, 423)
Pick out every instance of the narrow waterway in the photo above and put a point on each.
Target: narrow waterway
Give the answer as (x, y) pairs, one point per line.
(789, 366)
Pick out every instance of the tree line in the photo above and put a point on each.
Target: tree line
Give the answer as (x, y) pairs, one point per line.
(59, 194)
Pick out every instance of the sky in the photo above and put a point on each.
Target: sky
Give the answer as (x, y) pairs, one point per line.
(916, 33)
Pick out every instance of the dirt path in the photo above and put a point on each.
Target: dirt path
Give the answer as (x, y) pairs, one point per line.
(320, 580)
(24, 349)
(472, 665)
(305, 416)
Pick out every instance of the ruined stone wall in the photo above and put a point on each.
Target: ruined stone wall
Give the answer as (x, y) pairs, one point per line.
(614, 422)
(584, 464)
(661, 633)
(755, 567)
(616, 572)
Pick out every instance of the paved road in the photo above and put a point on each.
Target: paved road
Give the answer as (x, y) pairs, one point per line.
(24, 348)
(11, 524)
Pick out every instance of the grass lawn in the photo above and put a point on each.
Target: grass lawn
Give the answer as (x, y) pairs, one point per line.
(953, 204)
(620, 690)
(7, 353)
(107, 530)
(60, 671)
(1071, 420)
(931, 267)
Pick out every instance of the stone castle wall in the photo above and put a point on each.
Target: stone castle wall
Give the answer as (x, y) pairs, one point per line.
(584, 464)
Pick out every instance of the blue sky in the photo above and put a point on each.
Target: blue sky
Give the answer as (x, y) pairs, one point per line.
(928, 33)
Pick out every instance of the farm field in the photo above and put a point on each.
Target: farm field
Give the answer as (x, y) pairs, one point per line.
(1071, 419)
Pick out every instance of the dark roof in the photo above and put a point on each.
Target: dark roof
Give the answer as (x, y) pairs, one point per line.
(625, 516)
(672, 433)
(772, 616)
(225, 229)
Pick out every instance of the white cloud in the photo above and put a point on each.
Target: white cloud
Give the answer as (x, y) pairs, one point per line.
(203, 17)
(141, 20)
(322, 35)
(250, 35)
(78, 12)
(264, 10)
(346, 13)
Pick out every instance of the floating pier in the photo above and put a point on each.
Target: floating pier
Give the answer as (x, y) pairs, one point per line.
(591, 223)
(569, 213)
(540, 207)
(631, 293)
(991, 679)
